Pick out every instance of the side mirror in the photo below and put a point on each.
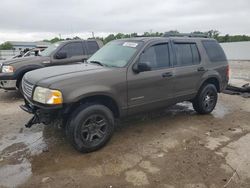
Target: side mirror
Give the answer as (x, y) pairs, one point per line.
(141, 67)
(61, 55)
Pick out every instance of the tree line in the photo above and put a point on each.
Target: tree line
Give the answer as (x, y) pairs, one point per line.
(211, 34)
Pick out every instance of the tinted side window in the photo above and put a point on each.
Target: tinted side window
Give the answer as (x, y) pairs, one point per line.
(186, 54)
(73, 49)
(92, 47)
(195, 53)
(214, 51)
(156, 56)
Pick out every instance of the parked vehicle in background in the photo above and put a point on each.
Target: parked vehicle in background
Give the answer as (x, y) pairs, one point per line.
(61, 53)
(33, 52)
(125, 77)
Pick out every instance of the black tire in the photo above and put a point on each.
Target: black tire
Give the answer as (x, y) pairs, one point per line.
(90, 127)
(20, 88)
(206, 99)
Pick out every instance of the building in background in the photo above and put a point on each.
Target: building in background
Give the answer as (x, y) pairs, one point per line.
(237, 50)
(19, 46)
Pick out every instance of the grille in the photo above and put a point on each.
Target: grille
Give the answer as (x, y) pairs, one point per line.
(27, 88)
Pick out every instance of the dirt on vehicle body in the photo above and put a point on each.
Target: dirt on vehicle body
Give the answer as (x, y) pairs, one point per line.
(123, 78)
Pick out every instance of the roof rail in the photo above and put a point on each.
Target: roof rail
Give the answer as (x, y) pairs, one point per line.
(170, 34)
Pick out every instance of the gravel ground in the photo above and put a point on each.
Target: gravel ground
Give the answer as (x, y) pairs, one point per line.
(170, 148)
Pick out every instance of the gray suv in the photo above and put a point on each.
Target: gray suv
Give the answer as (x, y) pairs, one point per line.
(60, 53)
(123, 78)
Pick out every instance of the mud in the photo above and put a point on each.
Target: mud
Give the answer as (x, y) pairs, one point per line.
(171, 148)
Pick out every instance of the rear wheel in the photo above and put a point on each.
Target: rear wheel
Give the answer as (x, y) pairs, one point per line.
(90, 128)
(206, 99)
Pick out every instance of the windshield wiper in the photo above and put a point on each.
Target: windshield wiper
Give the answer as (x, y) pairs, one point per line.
(96, 62)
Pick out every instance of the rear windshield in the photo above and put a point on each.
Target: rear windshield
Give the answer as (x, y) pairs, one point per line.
(214, 51)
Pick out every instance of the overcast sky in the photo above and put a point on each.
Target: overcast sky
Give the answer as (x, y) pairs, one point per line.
(31, 20)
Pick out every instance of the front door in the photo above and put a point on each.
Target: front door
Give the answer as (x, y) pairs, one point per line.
(153, 88)
(75, 52)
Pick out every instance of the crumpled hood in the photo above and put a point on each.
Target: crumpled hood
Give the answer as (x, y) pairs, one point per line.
(49, 75)
(24, 60)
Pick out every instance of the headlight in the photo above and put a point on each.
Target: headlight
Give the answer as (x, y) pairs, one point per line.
(47, 96)
(7, 69)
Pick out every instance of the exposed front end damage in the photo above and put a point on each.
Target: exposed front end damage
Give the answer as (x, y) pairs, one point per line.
(40, 115)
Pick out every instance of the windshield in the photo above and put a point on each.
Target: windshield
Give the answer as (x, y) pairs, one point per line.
(48, 51)
(116, 53)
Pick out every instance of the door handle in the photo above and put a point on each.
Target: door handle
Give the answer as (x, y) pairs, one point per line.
(167, 74)
(200, 69)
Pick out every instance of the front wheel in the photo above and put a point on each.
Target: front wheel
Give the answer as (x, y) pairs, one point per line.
(20, 88)
(206, 99)
(90, 128)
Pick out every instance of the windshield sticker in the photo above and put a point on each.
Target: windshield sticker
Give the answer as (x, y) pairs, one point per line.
(130, 44)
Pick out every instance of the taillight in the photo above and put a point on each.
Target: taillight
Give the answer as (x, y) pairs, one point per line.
(227, 72)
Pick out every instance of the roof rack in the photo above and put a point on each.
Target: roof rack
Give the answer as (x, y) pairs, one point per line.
(170, 34)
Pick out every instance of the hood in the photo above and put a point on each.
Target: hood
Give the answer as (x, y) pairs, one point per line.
(47, 76)
(25, 60)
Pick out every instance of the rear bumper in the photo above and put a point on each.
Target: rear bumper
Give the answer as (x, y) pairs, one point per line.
(8, 84)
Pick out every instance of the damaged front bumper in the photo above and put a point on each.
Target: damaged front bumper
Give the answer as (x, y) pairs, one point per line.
(39, 115)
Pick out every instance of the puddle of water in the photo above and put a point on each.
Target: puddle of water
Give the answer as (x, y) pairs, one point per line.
(179, 108)
(34, 142)
(14, 175)
(220, 111)
(15, 150)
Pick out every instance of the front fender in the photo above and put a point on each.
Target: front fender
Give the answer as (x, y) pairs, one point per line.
(83, 92)
(22, 70)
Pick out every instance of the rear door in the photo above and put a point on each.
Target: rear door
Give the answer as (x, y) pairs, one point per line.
(151, 89)
(92, 47)
(188, 67)
(75, 51)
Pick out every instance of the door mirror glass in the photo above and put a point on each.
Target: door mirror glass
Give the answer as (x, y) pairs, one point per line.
(61, 55)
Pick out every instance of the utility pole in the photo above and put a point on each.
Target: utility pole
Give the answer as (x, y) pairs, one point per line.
(93, 34)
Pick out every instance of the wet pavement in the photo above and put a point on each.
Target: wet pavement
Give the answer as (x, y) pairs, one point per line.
(171, 148)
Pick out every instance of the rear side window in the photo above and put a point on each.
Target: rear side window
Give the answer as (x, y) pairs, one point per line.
(214, 51)
(73, 49)
(186, 54)
(92, 47)
(157, 56)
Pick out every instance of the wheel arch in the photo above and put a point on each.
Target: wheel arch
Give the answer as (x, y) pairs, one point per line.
(20, 73)
(212, 80)
(102, 99)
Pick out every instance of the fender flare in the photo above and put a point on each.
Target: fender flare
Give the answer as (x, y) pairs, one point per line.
(19, 73)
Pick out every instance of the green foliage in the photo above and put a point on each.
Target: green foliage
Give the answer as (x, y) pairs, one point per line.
(235, 38)
(54, 40)
(211, 33)
(6, 46)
